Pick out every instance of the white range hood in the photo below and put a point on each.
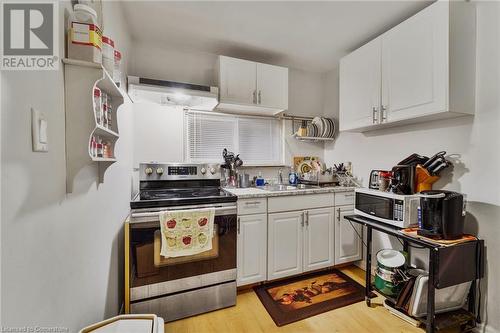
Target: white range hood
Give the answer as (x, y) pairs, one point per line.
(192, 96)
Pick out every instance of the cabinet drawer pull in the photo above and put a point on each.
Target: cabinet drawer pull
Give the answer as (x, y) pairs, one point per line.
(252, 203)
(374, 114)
(384, 113)
(349, 195)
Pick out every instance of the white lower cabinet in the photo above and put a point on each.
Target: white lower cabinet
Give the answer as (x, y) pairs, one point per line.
(300, 241)
(274, 244)
(347, 242)
(252, 249)
(285, 244)
(318, 238)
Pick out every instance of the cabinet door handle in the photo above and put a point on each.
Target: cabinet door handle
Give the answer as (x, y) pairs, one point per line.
(238, 226)
(338, 215)
(255, 97)
(252, 203)
(303, 219)
(260, 96)
(374, 114)
(307, 218)
(384, 113)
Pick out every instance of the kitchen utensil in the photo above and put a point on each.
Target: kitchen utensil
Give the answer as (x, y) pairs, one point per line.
(442, 214)
(331, 132)
(302, 131)
(319, 124)
(424, 179)
(434, 158)
(238, 162)
(243, 180)
(414, 159)
(387, 279)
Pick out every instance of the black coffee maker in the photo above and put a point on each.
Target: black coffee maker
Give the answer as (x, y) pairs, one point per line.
(403, 179)
(442, 214)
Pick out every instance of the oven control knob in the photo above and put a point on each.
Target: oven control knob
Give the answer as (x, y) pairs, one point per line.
(203, 171)
(148, 171)
(159, 171)
(212, 171)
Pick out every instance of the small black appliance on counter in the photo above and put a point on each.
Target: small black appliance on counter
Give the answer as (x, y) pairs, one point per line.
(403, 179)
(442, 214)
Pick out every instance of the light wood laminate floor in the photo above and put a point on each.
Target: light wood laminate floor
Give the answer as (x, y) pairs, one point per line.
(250, 316)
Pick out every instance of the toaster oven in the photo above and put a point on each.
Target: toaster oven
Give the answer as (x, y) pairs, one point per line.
(395, 209)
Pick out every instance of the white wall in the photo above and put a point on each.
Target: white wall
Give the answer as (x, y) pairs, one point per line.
(163, 62)
(474, 141)
(61, 253)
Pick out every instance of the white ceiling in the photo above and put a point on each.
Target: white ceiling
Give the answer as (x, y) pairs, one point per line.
(308, 35)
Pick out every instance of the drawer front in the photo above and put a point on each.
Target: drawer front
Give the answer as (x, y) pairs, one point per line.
(252, 206)
(344, 198)
(300, 202)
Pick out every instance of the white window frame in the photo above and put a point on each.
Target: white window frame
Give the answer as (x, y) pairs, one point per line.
(187, 159)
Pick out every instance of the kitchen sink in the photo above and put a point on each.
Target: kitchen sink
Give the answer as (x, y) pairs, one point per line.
(284, 187)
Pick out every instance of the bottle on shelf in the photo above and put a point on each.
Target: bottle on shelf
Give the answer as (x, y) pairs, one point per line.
(99, 147)
(93, 147)
(104, 105)
(292, 177)
(109, 109)
(105, 150)
(97, 104)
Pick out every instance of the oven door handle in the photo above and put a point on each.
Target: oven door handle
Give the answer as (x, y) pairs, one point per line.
(157, 214)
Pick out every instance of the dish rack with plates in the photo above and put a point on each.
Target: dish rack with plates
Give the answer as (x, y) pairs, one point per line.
(317, 129)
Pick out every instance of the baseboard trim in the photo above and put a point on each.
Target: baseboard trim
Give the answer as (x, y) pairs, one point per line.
(485, 329)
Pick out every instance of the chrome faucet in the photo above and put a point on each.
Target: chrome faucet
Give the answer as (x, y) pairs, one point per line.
(280, 177)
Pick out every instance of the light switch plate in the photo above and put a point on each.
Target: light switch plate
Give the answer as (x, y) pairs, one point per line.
(39, 128)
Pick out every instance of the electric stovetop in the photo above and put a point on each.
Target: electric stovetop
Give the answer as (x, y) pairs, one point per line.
(180, 197)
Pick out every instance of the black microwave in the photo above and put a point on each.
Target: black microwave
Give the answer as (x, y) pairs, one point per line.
(387, 207)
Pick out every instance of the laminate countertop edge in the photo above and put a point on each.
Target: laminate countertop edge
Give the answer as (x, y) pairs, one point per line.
(240, 192)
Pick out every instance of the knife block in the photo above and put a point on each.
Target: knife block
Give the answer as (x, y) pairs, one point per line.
(424, 179)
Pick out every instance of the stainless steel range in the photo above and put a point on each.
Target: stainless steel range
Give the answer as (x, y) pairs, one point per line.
(187, 285)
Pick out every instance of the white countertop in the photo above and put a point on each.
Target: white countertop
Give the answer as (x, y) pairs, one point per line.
(252, 192)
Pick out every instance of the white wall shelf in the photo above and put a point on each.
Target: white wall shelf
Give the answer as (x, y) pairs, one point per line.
(80, 79)
(312, 138)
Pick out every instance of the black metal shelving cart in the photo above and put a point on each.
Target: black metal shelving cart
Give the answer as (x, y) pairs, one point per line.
(448, 265)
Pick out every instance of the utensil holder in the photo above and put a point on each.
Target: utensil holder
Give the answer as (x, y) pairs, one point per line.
(424, 179)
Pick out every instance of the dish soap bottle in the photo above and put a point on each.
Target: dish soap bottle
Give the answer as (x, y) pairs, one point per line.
(292, 177)
(259, 181)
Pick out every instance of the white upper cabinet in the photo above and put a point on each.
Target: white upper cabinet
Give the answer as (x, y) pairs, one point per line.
(272, 86)
(360, 80)
(415, 66)
(237, 80)
(425, 69)
(318, 238)
(251, 88)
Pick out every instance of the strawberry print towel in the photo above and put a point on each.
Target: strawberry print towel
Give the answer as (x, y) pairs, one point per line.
(186, 232)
